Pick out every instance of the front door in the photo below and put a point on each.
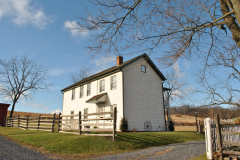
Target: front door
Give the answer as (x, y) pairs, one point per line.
(101, 109)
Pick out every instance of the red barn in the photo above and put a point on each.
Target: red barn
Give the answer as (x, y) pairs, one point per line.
(3, 112)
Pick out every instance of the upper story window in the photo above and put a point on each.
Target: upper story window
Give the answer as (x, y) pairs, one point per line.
(89, 89)
(73, 94)
(113, 80)
(143, 68)
(102, 85)
(81, 92)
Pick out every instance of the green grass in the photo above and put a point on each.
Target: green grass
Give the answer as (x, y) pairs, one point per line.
(202, 157)
(66, 144)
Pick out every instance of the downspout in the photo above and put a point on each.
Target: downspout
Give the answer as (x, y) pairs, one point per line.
(164, 108)
(122, 90)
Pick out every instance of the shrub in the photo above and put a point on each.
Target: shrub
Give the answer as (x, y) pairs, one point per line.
(134, 129)
(237, 120)
(201, 127)
(171, 125)
(124, 125)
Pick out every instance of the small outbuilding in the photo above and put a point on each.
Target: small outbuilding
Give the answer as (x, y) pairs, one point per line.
(3, 113)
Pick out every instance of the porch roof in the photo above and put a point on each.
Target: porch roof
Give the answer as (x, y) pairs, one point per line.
(100, 98)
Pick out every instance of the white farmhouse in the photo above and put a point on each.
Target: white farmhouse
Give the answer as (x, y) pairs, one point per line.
(135, 87)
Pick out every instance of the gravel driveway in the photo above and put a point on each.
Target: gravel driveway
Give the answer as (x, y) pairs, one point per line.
(13, 151)
(181, 151)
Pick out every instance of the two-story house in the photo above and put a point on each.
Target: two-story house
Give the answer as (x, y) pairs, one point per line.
(135, 87)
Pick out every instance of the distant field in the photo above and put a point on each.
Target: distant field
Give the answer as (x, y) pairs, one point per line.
(186, 128)
(25, 114)
(185, 119)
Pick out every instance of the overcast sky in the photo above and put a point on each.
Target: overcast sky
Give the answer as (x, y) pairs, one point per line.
(38, 28)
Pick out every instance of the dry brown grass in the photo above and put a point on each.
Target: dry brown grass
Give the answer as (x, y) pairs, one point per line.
(186, 128)
(25, 114)
(185, 119)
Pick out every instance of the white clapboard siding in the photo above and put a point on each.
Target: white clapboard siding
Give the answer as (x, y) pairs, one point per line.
(143, 97)
(113, 97)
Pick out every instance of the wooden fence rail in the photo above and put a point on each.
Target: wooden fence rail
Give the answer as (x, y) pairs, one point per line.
(43, 123)
(73, 123)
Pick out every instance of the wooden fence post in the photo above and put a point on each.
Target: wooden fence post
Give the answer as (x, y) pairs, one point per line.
(12, 121)
(199, 128)
(18, 120)
(39, 117)
(80, 122)
(114, 122)
(27, 124)
(219, 136)
(59, 116)
(53, 122)
(4, 121)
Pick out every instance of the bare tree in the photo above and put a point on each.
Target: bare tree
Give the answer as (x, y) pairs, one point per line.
(177, 87)
(221, 76)
(21, 77)
(82, 73)
(195, 29)
(186, 29)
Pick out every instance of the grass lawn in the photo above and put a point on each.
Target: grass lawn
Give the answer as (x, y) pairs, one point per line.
(66, 144)
(202, 157)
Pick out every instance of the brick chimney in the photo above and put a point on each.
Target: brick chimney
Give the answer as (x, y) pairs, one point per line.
(119, 60)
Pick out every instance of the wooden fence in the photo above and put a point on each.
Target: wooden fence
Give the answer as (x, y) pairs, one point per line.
(222, 137)
(75, 124)
(43, 123)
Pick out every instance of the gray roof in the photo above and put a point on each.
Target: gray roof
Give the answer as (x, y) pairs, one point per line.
(114, 70)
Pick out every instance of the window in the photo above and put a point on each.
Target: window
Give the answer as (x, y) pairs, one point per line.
(89, 89)
(73, 94)
(143, 68)
(81, 92)
(101, 109)
(72, 112)
(85, 112)
(102, 85)
(86, 117)
(113, 80)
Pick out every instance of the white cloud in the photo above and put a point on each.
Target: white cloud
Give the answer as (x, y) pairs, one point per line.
(33, 104)
(24, 12)
(56, 72)
(177, 70)
(186, 64)
(57, 111)
(74, 29)
(103, 63)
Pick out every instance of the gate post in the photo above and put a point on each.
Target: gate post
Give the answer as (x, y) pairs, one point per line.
(219, 136)
(208, 138)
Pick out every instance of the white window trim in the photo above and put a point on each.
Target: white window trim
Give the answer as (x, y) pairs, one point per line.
(111, 82)
(73, 94)
(81, 94)
(100, 87)
(145, 69)
(89, 93)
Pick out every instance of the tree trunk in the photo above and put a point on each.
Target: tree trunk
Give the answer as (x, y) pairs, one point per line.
(13, 106)
(230, 20)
